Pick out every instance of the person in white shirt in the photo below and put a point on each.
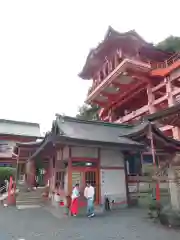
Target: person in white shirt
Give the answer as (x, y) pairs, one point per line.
(89, 195)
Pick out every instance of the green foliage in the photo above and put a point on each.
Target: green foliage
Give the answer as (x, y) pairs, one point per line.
(6, 172)
(170, 217)
(170, 44)
(88, 112)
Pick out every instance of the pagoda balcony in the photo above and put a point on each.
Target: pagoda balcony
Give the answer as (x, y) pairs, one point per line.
(133, 115)
(112, 82)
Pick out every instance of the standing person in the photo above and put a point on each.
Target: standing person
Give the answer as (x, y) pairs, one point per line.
(89, 195)
(74, 200)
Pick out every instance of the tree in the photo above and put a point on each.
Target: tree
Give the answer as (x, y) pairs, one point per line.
(88, 112)
(6, 173)
(170, 44)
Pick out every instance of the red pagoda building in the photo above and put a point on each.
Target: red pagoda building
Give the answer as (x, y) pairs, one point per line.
(131, 79)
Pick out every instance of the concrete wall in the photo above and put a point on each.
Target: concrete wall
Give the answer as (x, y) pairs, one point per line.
(86, 152)
(112, 177)
(111, 158)
(66, 182)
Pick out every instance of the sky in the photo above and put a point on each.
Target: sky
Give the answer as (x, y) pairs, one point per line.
(44, 44)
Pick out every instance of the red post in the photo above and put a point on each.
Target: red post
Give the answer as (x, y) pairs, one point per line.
(11, 193)
(154, 161)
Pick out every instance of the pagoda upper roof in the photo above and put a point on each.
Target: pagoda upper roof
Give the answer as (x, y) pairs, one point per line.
(113, 40)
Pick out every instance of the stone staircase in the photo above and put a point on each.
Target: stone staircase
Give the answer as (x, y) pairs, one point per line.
(29, 199)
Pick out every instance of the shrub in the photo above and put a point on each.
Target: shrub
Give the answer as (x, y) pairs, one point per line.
(170, 217)
(6, 172)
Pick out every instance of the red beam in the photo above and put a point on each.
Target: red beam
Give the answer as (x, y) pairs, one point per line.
(160, 93)
(134, 90)
(139, 76)
(124, 88)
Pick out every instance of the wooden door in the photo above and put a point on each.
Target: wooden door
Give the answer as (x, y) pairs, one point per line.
(91, 176)
(82, 176)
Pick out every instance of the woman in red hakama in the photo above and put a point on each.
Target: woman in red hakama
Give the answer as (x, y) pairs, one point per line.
(74, 200)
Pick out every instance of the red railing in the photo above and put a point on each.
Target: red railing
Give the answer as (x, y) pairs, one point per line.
(167, 62)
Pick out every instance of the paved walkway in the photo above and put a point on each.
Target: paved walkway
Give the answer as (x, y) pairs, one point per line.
(31, 224)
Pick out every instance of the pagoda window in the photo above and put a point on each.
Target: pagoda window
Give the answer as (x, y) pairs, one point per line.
(98, 77)
(110, 66)
(115, 60)
(106, 70)
(101, 75)
(118, 56)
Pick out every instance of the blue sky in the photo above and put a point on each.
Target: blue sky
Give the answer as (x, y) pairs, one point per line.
(44, 43)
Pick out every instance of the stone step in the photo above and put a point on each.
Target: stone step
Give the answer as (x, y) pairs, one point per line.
(28, 202)
(27, 206)
(30, 194)
(28, 199)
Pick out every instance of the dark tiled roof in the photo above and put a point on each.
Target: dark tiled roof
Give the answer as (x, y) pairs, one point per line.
(19, 122)
(163, 113)
(138, 130)
(94, 131)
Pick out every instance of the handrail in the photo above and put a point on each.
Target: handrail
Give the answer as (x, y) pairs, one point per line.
(167, 62)
(2, 188)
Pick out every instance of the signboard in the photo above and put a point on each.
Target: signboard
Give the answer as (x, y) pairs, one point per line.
(6, 148)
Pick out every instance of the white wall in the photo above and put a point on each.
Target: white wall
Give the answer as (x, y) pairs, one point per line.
(113, 184)
(111, 158)
(66, 182)
(87, 152)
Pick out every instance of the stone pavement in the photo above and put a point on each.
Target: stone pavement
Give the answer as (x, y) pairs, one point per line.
(32, 224)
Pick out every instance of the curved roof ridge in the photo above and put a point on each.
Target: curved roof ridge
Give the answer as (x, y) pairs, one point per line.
(73, 119)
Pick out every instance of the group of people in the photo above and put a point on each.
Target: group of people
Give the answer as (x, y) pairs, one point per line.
(72, 200)
(88, 194)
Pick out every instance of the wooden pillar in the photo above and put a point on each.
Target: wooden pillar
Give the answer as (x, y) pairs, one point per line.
(99, 176)
(51, 175)
(169, 92)
(173, 188)
(171, 101)
(127, 182)
(30, 171)
(157, 188)
(151, 99)
(55, 165)
(17, 165)
(70, 171)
